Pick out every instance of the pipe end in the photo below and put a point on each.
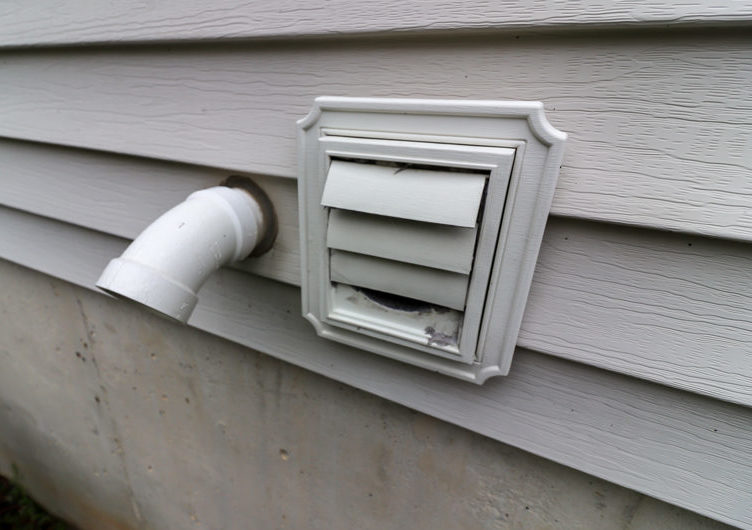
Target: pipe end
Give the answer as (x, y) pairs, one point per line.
(148, 287)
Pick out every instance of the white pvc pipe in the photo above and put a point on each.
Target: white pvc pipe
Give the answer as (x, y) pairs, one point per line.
(168, 262)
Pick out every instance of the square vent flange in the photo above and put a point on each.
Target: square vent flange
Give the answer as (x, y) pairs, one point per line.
(420, 224)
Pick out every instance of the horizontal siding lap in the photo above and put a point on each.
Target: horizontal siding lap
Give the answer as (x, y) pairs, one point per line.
(661, 306)
(657, 129)
(125, 194)
(658, 139)
(48, 22)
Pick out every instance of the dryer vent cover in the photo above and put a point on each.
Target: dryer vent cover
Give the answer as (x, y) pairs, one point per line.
(421, 222)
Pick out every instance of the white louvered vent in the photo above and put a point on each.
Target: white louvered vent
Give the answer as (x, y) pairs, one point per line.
(420, 226)
(402, 239)
(414, 237)
(403, 231)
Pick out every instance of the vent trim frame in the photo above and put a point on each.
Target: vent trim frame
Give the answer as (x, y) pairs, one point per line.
(459, 127)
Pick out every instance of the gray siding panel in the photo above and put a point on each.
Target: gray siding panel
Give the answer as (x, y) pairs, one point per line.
(656, 305)
(95, 142)
(665, 307)
(661, 306)
(657, 129)
(49, 22)
(122, 195)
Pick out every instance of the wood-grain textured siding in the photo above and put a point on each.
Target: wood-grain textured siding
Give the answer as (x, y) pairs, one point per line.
(47, 22)
(644, 265)
(661, 306)
(679, 447)
(657, 127)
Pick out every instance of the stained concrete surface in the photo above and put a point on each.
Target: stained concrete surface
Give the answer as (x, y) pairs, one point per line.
(113, 418)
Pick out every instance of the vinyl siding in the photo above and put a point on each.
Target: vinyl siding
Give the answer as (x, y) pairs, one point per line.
(634, 362)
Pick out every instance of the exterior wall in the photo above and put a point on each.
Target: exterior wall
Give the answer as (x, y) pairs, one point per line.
(117, 419)
(633, 363)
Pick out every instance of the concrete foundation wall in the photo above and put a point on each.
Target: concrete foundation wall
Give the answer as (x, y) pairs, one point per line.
(114, 418)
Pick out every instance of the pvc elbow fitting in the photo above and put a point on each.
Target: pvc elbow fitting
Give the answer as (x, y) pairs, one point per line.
(166, 265)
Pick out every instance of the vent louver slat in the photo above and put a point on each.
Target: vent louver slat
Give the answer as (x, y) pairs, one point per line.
(433, 196)
(403, 231)
(447, 289)
(432, 245)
